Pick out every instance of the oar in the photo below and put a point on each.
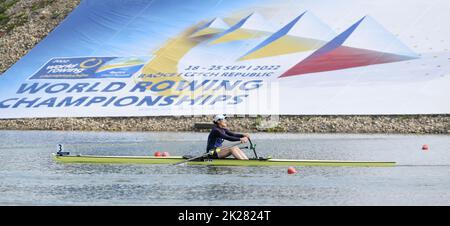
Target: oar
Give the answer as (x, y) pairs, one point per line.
(202, 156)
(253, 147)
(191, 159)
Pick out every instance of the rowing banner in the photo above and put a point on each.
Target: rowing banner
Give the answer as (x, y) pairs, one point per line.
(266, 57)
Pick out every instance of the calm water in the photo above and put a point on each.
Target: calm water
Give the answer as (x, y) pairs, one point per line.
(29, 176)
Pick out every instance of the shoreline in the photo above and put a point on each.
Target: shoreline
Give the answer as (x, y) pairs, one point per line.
(373, 124)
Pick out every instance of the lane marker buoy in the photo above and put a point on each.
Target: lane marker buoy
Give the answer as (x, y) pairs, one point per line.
(291, 170)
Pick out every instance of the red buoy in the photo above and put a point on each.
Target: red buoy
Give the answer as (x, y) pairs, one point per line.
(425, 147)
(158, 154)
(165, 154)
(291, 170)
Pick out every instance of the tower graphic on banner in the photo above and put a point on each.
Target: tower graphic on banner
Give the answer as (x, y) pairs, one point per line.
(362, 44)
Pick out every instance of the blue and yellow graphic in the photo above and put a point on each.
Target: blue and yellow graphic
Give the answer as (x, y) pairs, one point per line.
(90, 68)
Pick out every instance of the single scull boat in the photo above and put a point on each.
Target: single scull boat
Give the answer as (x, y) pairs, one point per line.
(213, 162)
(66, 157)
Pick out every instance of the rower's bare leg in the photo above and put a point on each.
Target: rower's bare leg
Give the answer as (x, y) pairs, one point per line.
(235, 151)
(224, 153)
(241, 154)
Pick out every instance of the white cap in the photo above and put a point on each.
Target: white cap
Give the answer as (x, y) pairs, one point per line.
(219, 117)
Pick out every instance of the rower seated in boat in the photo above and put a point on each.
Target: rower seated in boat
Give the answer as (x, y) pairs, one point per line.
(218, 134)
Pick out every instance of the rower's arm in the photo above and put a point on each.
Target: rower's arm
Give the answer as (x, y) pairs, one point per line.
(225, 135)
(234, 134)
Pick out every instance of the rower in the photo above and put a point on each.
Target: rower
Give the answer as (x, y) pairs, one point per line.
(218, 134)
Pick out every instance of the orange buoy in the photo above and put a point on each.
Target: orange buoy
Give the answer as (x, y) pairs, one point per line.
(158, 154)
(165, 154)
(291, 170)
(425, 147)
